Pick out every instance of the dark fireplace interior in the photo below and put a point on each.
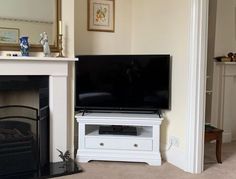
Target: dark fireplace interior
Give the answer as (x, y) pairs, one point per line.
(24, 131)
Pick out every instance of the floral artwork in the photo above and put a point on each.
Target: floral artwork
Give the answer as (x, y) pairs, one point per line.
(101, 15)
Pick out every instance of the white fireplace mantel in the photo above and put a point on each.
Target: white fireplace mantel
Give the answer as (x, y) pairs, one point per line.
(57, 70)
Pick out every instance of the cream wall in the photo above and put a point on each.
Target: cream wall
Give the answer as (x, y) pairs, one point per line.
(68, 30)
(210, 56)
(156, 26)
(68, 27)
(225, 38)
(89, 42)
(161, 27)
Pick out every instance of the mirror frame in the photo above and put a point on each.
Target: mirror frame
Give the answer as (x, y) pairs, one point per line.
(35, 47)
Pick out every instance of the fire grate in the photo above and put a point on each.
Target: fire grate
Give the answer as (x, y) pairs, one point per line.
(24, 145)
(19, 139)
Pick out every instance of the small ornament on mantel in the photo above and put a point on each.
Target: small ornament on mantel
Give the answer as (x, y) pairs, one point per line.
(24, 46)
(231, 57)
(60, 39)
(44, 43)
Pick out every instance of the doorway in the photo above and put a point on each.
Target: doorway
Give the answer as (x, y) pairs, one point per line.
(219, 85)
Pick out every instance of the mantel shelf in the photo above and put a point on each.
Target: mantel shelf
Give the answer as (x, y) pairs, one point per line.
(225, 63)
(55, 59)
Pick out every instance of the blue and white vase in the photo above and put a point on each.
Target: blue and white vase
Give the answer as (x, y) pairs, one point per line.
(24, 46)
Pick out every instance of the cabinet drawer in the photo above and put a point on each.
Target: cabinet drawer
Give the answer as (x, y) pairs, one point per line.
(119, 144)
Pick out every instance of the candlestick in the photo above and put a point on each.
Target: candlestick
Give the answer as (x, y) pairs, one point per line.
(60, 46)
(60, 27)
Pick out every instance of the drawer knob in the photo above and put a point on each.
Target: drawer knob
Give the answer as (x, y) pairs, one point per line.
(101, 144)
(135, 145)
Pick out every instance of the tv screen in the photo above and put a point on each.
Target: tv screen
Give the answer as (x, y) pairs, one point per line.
(123, 82)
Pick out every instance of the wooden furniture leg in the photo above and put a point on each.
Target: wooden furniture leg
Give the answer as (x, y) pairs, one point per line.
(212, 133)
(218, 148)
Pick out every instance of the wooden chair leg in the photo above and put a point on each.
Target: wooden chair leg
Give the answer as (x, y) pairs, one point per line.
(218, 149)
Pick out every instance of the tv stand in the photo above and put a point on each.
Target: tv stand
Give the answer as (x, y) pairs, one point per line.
(142, 147)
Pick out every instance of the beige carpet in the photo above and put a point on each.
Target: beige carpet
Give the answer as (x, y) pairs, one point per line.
(120, 170)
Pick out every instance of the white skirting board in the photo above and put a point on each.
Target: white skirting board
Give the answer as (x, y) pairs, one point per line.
(175, 156)
(227, 137)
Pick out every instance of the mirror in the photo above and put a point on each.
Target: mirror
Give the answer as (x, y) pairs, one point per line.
(29, 18)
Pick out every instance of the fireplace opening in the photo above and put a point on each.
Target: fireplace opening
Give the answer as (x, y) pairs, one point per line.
(24, 125)
(25, 130)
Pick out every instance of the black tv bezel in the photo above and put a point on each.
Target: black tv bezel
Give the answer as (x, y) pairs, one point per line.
(125, 109)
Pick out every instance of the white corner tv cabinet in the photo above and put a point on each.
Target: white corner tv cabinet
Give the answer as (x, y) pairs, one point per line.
(143, 147)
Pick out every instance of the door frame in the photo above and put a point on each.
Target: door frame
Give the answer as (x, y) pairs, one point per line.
(198, 33)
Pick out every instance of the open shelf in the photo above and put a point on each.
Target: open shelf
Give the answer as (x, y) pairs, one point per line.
(143, 132)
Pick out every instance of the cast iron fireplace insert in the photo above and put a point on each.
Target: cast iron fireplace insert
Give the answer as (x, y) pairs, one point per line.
(20, 151)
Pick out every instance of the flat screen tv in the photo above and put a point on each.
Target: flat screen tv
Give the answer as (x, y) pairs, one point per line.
(123, 82)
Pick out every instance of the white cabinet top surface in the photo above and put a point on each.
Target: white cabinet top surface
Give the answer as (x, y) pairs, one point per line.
(119, 118)
(118, 115)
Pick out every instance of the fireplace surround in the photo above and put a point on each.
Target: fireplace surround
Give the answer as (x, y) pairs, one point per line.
(56, 70)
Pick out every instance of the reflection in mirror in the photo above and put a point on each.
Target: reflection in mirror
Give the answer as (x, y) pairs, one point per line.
(28, 18)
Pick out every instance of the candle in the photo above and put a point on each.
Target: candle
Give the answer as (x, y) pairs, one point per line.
(60, 27)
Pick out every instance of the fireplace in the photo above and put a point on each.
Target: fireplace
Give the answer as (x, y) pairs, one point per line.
(60, 117)
(24, 130)
(57, 71)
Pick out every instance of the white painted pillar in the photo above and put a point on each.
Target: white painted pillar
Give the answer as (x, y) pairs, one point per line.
(58, 115)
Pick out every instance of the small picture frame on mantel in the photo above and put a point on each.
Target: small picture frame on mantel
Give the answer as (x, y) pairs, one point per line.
(101, 15)
(9, 35)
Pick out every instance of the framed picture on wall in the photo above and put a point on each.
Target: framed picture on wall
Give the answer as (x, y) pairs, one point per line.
(9, 35)
(101, 15)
